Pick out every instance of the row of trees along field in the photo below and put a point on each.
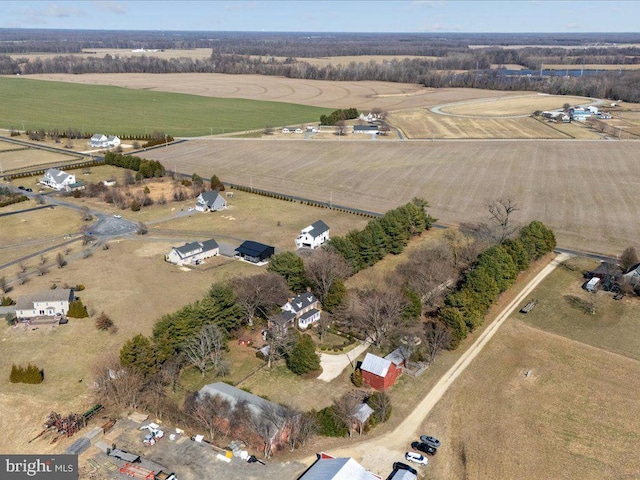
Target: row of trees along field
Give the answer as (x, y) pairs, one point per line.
(474, 267)
(147, 168)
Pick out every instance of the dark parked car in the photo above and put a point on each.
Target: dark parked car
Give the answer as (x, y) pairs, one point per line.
(424, 448)
(21, 187)
(431, 441)
(28, 190)
(404, 466)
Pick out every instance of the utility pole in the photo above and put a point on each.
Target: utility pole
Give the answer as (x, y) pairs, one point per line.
(331, 200)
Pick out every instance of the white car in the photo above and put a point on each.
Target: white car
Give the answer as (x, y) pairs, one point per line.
(117, 216)
(416, 458)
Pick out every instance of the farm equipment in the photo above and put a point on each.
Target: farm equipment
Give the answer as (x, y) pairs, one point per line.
(154, 434)
(69, 425)
(136, 471)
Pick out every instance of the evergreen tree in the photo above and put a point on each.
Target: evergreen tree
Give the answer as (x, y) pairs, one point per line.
(77, 309)
(291, 267)
(138, 353)
(303, 357)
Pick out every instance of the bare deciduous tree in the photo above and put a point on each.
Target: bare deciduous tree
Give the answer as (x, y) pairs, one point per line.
(42, 269)
(628, 259)
(281, 340)
(323, 267)
(378, 312)
(501, 211)
(345, 407)
(116, 385)
(23, 267)
(4, 285)
(22, 277)
(302, 428)
(211, 412)
(259, 293)
(437, 338)
(60, 260)
(85, 214)
(204, 351)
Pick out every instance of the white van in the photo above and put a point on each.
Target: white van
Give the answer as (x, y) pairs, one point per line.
(592, 285)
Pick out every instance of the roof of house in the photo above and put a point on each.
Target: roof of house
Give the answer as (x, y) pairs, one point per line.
(283, 318)
(58, 175)
(607, 268)
(337, 469)
(111, 138)
(302, 301)
(98, 136)
(234, 395)
(254, 249)
(26, 302)
(210, 196)
(363, 412)
(402, 474)
(316, 229)
(399, 355)
(309, 314)
(365, 127)
(193, 248)
(374, 364)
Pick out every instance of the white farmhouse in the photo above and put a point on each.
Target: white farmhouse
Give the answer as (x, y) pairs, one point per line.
(305, 307)
(313, 236)
(57, 179)
(100, 140)
(210, 201)
(193, 253)
(44, 304)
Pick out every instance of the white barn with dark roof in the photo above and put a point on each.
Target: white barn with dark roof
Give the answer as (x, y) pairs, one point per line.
(193, 253)
(313, 236)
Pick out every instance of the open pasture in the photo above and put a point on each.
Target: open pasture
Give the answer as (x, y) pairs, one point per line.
(121, 111)
(363, 95)
(521, 105)
(585, 190)
(15, 158)
(551, 424)
(421, 123)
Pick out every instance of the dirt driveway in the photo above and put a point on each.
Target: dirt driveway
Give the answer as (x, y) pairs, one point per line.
(379, 454)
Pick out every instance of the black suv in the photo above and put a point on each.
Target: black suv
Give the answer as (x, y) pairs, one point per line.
(403, 466)
(424, 448)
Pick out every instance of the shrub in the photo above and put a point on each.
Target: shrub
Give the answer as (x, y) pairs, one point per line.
(79, 287)
(77, 310)
(356, 378)
(29, 374)
(11, 319)
(6, 301)
(103, 322)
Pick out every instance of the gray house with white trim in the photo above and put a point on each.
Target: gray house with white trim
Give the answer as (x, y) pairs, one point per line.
(193, 253)
(210, 201)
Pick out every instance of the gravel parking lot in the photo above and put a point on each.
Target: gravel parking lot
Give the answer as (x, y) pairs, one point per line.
(188, 459)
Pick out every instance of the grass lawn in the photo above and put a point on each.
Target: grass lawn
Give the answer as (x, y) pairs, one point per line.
(121, 111)
(614, 326)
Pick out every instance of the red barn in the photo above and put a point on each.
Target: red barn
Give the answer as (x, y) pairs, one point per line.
(379, 373)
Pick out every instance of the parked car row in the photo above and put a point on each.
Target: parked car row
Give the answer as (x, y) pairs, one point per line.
(428, 445)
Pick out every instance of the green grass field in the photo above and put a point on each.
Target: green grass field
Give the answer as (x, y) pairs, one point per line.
(121, 111)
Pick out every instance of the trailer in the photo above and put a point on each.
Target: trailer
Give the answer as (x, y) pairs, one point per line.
(136, 471)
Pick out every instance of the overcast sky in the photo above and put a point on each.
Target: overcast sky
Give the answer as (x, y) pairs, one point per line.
(328, 16)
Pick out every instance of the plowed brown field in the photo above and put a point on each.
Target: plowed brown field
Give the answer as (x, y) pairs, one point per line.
(585, 190)
(361, 95)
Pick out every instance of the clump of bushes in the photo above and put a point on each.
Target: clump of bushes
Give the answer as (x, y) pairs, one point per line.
(103, 322)
(29, 374)
(77, 310)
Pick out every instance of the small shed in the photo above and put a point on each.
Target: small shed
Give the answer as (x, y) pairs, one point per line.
(379, 373)
(255, 252)
(592, 285)
(244, 341)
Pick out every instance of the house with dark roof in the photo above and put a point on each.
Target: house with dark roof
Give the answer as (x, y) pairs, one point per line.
(48, 303)
(379, 373)
(305, 308)
(210, 201)
(327, 467)
(265, 413)
(254, 252)
(193, 253)
(283, 320)
(313, 235)
(57, 179)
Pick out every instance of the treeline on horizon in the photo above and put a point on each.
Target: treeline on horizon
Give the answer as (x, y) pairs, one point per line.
(238, 53)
